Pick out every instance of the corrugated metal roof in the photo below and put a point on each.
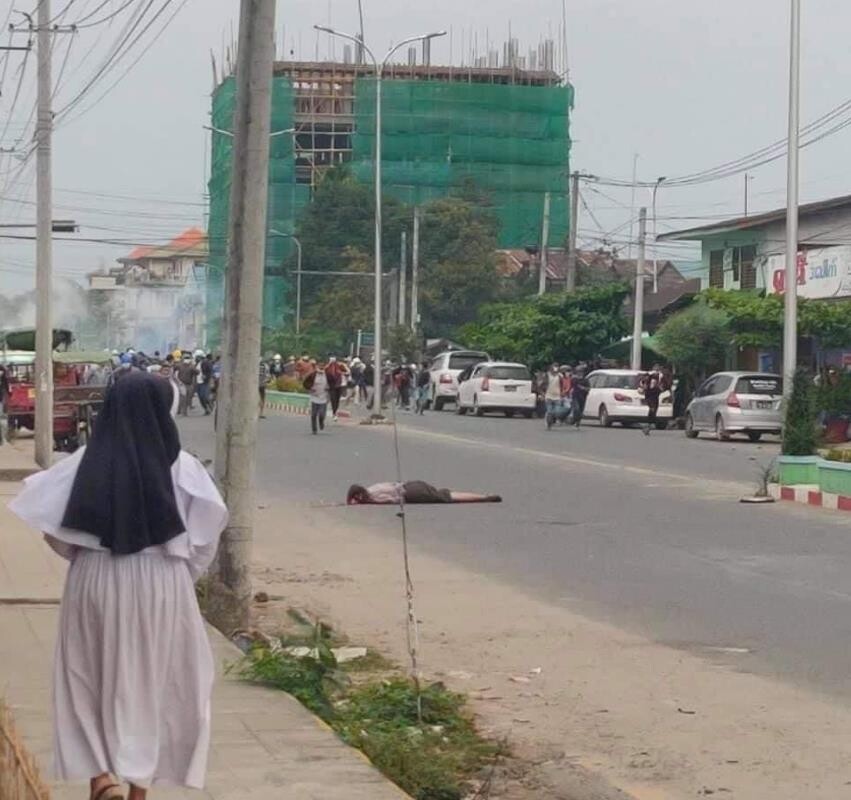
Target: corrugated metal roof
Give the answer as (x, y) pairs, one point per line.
(755, 220)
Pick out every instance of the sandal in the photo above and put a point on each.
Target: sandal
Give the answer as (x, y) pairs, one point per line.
(110, 791)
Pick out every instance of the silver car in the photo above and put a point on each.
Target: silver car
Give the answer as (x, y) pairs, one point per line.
(736, 402)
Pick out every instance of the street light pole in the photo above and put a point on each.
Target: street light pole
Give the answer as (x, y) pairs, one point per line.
(790, 317)
(297, 280)
(379, 72)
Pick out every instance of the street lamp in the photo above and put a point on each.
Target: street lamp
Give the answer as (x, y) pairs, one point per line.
(297, 280)
(379, 71)
(790, 299)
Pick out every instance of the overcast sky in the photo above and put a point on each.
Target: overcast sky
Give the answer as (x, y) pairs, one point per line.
(687, 85)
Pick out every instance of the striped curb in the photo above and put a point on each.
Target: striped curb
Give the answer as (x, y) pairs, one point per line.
(810, 495)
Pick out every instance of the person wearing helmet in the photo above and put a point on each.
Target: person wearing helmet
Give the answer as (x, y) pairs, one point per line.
(276, 368)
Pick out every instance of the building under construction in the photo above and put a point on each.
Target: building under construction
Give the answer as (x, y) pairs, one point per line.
(503, 128)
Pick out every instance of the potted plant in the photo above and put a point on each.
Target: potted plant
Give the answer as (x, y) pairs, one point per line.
(798, 463)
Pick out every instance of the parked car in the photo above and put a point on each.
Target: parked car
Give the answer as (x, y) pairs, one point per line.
(614, 396)
(445, 369)
(736, 402)
(496, 386)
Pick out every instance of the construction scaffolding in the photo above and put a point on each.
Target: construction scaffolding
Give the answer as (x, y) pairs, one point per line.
(505, 131)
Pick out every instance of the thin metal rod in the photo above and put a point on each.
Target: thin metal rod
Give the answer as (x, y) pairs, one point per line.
(638, 302)
(790, 317)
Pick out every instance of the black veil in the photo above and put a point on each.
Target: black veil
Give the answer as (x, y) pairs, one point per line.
(123, 491)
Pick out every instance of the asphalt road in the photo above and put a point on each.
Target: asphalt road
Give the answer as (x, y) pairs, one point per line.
(646, 533)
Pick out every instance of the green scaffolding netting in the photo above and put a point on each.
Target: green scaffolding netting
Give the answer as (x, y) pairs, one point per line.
(510, 141)
(286, 198)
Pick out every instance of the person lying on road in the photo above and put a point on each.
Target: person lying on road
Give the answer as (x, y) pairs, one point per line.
(412, 492)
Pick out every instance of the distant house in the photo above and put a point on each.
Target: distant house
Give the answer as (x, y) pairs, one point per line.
(673, 290)
(159, 292)
(750, 253)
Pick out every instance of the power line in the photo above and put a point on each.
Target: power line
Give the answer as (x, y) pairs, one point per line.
(81, 23)
(133, 63)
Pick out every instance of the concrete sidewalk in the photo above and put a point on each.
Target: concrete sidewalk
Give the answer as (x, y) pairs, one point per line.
(265, 745)
(17, 459)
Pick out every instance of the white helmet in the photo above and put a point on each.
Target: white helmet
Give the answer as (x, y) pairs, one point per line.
(278, 357)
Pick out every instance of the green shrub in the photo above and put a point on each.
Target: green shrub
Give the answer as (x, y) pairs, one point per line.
(431, 760)
(799, 428)
(835, 398)
(289, 383)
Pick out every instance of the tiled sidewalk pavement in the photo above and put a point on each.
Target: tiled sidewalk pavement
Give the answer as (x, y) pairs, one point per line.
(265, 745)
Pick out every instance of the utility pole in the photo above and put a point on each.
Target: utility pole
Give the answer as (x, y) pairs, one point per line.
(230, 589)
(638, 322)
(570, 277)
(415, 271)
(747, 180)
(44, 246)
(790, 316)
(545, 239)
(403, 279)
(395, 277)
(632, 204)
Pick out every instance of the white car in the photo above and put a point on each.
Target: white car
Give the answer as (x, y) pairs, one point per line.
(497, 386)
(445, 369)
(613, 396)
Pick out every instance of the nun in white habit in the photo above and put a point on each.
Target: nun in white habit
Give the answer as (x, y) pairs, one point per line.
(139, 519)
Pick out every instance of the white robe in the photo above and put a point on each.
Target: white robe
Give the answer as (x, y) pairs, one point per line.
(133, 672)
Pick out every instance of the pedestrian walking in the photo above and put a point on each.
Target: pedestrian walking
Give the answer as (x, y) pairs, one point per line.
(139, 519)
(423, 384)
(317, 384)
(334, 375)
(578, 395)
(186, 375)
(263, 379)
(552, 395)
(203, 381)
(651, 388)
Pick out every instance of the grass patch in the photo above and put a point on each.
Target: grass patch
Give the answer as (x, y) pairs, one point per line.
(431, 760)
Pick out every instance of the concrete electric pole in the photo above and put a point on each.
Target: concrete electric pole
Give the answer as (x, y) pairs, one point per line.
(403, 279)
(570, 277)
(790, 317)
(44, 246)
(415, 271)
(230, 589)
(545, 240)
(638, 321)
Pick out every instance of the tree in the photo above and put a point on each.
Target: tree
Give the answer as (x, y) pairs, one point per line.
(695, 339)
(756, 319)
(799, 428)
(557, 327)
(341, 219)
(458, 242)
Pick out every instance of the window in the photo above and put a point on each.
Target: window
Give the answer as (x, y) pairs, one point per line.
(508, 373)
(760, 384)
(716, 269)
(464, 360)
(621, 382)
(748, 267)
(720, 384)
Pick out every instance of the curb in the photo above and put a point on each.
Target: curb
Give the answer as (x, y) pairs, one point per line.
(810, 495)
(17, 475)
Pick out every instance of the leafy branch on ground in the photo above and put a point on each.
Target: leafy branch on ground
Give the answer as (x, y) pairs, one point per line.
(434, 760)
